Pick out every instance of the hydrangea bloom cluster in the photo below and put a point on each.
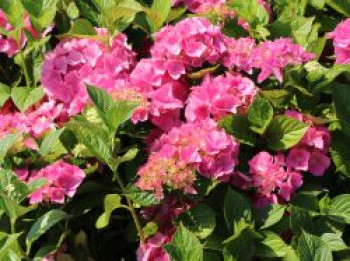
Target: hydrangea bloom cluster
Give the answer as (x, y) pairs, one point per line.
(164, 215)
(269, 176)
(62, 179)
(75, 62)
(35, 122)
(310, 154)
(188, 44)
(153, 248)
(195, 42)
(166, 96)
(341, 42)
(272, 57)
(220, 96)
(175, 157)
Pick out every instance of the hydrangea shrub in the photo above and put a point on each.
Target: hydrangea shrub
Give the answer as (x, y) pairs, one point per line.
(174, 130)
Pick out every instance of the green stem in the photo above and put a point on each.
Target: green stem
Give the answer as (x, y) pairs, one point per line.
(13, 225)
(26, 74)
(131, 208)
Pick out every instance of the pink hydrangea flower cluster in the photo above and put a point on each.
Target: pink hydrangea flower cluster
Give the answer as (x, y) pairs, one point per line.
(153, 248)
(164, 215)
(269, 176)
(75, 62)
(35, 122)
(166, 96)
(270, 57)
(62, 179)
(220, 96)
(341, 42)
(175, 157)
(188, 44)
(310, 154)
(11, 46)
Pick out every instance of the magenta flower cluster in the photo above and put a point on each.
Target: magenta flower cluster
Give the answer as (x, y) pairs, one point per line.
(62, 180)
(341, 42)
(76, 62)
(177, 155)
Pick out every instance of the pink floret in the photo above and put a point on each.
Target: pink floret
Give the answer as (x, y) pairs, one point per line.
(75, 62)
(62, 179)
(341, 42)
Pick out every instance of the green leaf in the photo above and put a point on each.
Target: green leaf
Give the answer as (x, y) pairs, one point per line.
(42, 12)
(240, 247)
(113, 113)
(291, 255)
(185, 246)
(6, 143)
(72, 11)
(271, 246)
(5, 93)
(341, 97)
(88, 10)
(140, 197)
(284, 132)
(251, 11)
(10, 249)
(95, 138)
(304, 32)
(318, 4)
(119, 17)
(340, 152)
(334, 242)
(270, 215)
(300, 219)
(236, 209)
(43, 224)
(312, 248)
(200, 220)
(24, 97)
(51, 142)
(81, 27)
(12, 208)
(278, 98)
(14, 188)
(111, 202)
(306, 200)
(239, 127)
(341, 6)
(14, 12)
(260, 114)
(339, 208)
(175, 13)
(159, 12)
